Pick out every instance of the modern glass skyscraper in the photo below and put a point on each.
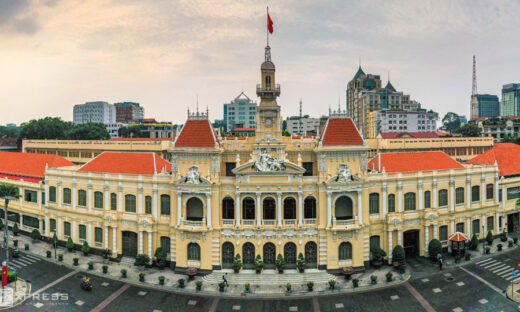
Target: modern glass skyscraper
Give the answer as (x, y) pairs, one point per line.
(485, 105)
(511, 99)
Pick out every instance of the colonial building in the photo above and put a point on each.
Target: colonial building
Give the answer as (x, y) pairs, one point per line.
(263, 195)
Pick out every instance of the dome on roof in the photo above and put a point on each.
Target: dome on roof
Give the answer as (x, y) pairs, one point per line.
(267, 65)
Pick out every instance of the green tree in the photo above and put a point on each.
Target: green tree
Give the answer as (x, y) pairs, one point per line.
(85, 248)
(35, 235)
(451, 122)
(468, 130)
(434, 248)
(70, 244)
(286, 133)
(89, 131)
(134, 131)
(47, 128)
(473, 245)
(398, 254)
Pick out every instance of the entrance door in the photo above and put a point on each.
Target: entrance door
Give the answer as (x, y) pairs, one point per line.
(129, 244)
(228, 252)
(269, 256)
(411, 243)
(248, 253)
(289, 251)
(512, 222)
(311, 255)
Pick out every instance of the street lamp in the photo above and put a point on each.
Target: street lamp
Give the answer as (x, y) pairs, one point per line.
(6, 234)
(54, 242)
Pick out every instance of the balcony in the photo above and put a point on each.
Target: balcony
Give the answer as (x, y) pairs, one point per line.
(269, 92)
(248, 222)
(230, 222)
(193, 223)
(343, 223)
(309, 221)
(269, 222)
(289, 222)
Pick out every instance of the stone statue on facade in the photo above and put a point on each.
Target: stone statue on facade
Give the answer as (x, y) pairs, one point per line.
(193, 175)
(266, 163)
(344, 174)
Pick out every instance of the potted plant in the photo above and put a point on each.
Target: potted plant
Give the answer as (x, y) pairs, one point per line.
(16, 229)
(141, 276)
(247, 288)
(473, 245)
(332, 284)
(106, 253)
(35, 235)
(221, 286)
(488, 249)
(199, 285)
(26, 246)
(300, 263)
(310, 286)
(161, 280)
(237, 263)
(180, 282)
(373, 279)
(398, 256)
(123, 273)
(389, 277)
(141, 260)
(503, 237)
(70, 244)
(288, 286)
(16, 253)
(15, 242)
(434, 248)
(378, 256)
(509, 244)
(280, 263)
(348, 272)
(91, 265)
(105, 269)
(85, 248)
(160, 258)
(489, 238)
(499, 247)
(76, 261)
(49, 253)
(259, 264)
(60, 257)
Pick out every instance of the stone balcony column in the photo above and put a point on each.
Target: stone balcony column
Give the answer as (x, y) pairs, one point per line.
(237, 208)
(106, 237)
(179, 208)
(279, 208)
(329, 209)
(258, 209)
(114, 240)
(360, 207)
(140, 242)
(300, 208)
(208, 208)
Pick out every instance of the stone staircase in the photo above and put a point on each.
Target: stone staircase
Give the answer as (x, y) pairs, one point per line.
(270, 277)
(127, 262)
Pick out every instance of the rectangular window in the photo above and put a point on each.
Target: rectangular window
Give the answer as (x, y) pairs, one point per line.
(229, 167)
(460, 227)
(475, 193)
(513, 192)
(31, 221)
(476, 227)
(409, 201)
(113, 201)
(31, 196)
(443, 198)
(98, 235)
(391, 203)
(490, 224)
(82, 198)
(52, 194)
(148, 205)
(98, 200)
(489, 191)
(443, 233)
(373, 202)
(66, 228)
(459, 195)
(66, 196)
(165, 204)
(130, 203)
(82, 231)
(308, 169)
(165, 243)
(427, 200)
(52, 225)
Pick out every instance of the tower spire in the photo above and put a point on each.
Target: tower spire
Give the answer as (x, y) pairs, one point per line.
(300, 121)
(474, 82)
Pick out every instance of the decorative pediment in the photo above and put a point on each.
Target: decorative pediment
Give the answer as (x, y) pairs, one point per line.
(395, 221)
(431, 216)
(284, 167)
(193, 177)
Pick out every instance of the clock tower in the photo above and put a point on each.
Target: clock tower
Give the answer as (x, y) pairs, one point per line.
(268, 120)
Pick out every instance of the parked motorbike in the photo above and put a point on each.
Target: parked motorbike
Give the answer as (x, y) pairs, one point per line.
(86, 285)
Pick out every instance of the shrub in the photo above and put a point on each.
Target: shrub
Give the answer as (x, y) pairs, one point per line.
(503, 237)
(26, 246)
(355, 282)
(161, 280)
(499, 247)
(85, 248)
(11, 277)
(70, 244)
(434, 248)
(123, 273)
(237, 263)
(332, 284)
(106, 253)
(473, 245)
(105, 269)
(288, 286)
(310, 286)
(389, 276)
(247, 287)
(76, 261)
(259, 264)
(489, 237)
(141, 276)
(142, 260)
(300, 263)
(180, 282)
(60, 257)
(488, 249)
(35, 235)
(373, 279)
(91, 265)
(280, 262)
(398, 255)
(199, 285)
(160, 258)
(510, 244)
(378, 255)
(49, 253)
(16, 229)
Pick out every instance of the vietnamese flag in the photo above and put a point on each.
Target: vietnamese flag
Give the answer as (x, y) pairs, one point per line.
(4, 275)
(269, 24)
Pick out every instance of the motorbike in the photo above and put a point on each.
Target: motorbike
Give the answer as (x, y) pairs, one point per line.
(86, 285)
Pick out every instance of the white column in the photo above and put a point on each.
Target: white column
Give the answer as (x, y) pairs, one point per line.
(74, 195)
(150, 244)
(435, 195)
(59, 226)
(452, 195)
(60, 194)
(279, 208)
(504, 199)
(179, 208)
(89, 197)
(208, 208)
(421, 205)
(89, 234)
(497, 222)
(452, 227)
(504, 223)
(47, 226)
(329, 209)
(46, 192)
(390, 246)
(237, 209)
(106, 237)
(496, 189)
(107, 198)
(360, 207)
(400, 237)
(426, 237)
(155, 199)
(300, 209)
(385, 201)
(483, 191)
(468, 227)
(140, 242)
(114, 241)
(435, 231)
(484, 221)
(468, 191)
(120, 198)
(140, 200)
(258, 210)
(399, 197)
(39, 199)
(74, 229)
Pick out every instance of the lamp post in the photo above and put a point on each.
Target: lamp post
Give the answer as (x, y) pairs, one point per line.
(54, 242)
(6, 232)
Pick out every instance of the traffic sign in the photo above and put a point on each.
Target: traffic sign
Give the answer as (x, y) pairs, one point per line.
(514, 273)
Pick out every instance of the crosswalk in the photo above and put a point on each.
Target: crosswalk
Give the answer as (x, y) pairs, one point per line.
(23, 261)
(500, 269)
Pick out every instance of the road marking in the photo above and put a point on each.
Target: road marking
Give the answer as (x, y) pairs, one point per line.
(111, 298)
(506, 269)
(498, 268)
(316, 304)
(493, 265)
(24, 261)
(55, 282)
(488, 259)
(506, 273)
(498, 290)
(17, 263)
(32, 257)
(419, 298)
(214, 305)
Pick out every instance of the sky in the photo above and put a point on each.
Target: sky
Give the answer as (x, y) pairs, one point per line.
(166, 54)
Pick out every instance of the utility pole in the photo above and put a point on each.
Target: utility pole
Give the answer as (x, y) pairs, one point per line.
(300, 124)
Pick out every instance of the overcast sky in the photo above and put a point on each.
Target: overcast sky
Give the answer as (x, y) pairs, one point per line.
(162, 54)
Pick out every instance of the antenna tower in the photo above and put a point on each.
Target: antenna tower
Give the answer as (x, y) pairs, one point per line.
(474, 85)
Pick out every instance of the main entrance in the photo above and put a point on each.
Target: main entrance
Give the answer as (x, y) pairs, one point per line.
(129, 242)
(269, 256)
(289, 251)
(228, 253)
(248, 253)
(411, 243)
(513, 221)
(311, 255)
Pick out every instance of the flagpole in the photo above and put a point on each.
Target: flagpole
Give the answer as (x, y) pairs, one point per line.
(267, 28)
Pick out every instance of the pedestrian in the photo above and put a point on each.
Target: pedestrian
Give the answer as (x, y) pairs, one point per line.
(224, 277)
(438, 256)
(440, 263)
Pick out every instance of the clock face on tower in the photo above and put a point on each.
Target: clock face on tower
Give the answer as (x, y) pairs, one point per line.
(268, 122)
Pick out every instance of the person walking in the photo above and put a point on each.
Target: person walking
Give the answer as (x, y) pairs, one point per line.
(440, 263)
(224, 277)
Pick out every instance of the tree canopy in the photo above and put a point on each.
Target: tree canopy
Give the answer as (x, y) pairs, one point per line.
(132, 132)
(50, 128)
(451, 122)
(468, 130)
(89, 131)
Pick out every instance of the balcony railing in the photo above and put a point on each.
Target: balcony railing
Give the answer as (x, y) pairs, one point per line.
(192, 223)
(228, 222)
(289, 222)
(310, 221)
(269, 222)
(248, 222)
(345, 222)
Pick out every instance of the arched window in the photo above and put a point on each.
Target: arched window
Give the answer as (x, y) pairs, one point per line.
(129, 203)
(82, 198)
(443, 233)
(345, 251)
(148, 204)
(443, 198)
(82, 231)
(52, 194)
(98, 200)
(391, 203)
(460, 227)
(228, 210)
(269, 208)
(489, 191)
(165, 204)
(289, 208)
(193, 251)
(459, 195)
(427, 199)
(194, 209)
(268, 82)
(113, 201)
(66, 196)
(373, 203)
(309, 208)
(165, 244)
(343, 208)
(475, 193)
(409, 201)
(248, 208)
(490, 223)
(476, 227)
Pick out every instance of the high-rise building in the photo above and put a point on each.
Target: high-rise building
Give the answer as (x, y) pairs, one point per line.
(400, 121)
(99, 111)
(510, 100)
(240, 113)
(485, 105)
(305, 125)
(129, 112)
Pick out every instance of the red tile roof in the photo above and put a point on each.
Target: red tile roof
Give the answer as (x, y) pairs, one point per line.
(412, 162)
(127, 163)
(443, 133)
(141, 139)
(197, 133)
(506, 155)
(27, 166)
(341, 131)
(391, 135)
(458, 237)
(244, 129)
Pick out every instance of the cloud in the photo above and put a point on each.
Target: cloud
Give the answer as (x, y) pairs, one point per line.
(16, 16)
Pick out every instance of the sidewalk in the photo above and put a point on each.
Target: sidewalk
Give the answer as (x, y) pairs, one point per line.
(14, 294)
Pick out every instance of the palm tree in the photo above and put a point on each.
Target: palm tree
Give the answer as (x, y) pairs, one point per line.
(7, 192)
